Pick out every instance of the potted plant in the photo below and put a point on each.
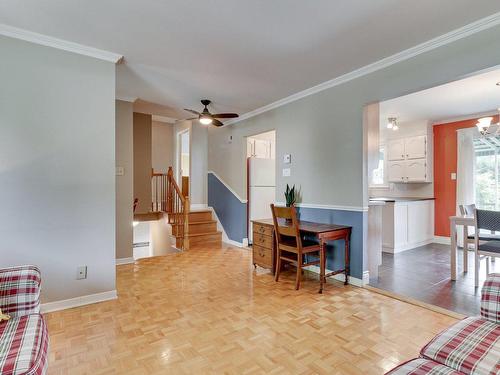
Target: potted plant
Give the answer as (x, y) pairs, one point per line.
(290, 196)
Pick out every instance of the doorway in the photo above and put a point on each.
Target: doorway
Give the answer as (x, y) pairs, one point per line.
(183, 161)
(261, 176)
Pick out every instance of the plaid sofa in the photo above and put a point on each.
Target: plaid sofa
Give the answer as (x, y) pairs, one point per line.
(471, 346)
(24, 338)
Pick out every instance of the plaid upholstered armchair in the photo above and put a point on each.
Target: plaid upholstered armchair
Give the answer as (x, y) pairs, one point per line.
(24, 337)
(470, 346)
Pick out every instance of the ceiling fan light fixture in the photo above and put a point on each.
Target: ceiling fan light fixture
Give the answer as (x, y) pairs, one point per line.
(205, 120)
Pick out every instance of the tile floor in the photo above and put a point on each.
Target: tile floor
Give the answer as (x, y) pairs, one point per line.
(423, 273)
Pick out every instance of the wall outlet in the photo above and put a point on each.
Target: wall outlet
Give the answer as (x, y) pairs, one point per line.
(286, 172)
(81, 272)
(453, 176)
(120, 171)
(287, 159)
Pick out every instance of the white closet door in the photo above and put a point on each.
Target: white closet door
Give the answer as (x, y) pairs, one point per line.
(416, 147)
(396, 150)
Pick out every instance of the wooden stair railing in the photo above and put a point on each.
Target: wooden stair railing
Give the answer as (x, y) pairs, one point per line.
(168, 198)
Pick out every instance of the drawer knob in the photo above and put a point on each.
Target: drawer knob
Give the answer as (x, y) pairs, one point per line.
(261, 253)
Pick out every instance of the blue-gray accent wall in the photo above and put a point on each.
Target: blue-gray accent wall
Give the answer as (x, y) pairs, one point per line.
(335, 249)
(231, 212)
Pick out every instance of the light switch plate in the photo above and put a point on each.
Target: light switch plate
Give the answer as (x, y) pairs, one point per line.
(81, 272)
(287, 159)
(453, 176)
(120, 171)
(286, 172)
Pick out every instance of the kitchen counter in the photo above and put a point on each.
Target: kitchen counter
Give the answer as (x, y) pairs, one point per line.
(400, 199)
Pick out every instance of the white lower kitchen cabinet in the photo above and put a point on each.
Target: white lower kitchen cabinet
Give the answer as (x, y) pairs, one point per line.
(407, 224)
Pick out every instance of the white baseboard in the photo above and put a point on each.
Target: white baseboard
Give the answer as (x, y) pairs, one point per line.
(120, 261)
(405, 247)
(366, 277)
(340, 277)
(233, 243)
(198, 207)
(78, 301)
(442, 240)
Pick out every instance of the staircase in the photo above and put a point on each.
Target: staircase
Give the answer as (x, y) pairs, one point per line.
(202, 230)
(191, 229)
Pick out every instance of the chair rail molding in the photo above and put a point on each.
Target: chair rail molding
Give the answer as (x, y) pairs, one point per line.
(49, 41)
(450, 37)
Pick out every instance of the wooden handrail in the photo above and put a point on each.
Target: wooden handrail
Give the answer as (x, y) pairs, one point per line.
(167, 197)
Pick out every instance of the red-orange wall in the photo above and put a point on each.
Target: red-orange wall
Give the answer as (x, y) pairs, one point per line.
(445, 163)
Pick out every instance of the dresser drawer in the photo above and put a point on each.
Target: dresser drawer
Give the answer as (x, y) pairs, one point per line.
(262, 240)
(263, 229)
(262, 256)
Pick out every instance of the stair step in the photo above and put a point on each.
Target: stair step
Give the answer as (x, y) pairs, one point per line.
(197, 216)
(209, 226)
(203, 239)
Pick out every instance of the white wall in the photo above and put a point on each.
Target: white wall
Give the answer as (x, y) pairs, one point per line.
(124, 183)
(57, 167)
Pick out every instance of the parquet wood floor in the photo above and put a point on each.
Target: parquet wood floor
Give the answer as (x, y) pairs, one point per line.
(208, 311)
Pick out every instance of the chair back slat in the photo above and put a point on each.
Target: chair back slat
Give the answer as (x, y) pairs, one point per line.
(467, 209)
(286, 233)
(489, 220)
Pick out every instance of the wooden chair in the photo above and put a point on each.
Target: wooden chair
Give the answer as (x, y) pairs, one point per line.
(489, 220)
(290, 247)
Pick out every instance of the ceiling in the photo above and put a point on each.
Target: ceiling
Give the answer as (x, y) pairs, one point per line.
(241, 54)
(477, 94)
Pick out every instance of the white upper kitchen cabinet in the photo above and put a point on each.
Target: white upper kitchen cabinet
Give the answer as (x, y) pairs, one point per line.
(416, 147)
(409, 160)
(396, 150)
(416, 170)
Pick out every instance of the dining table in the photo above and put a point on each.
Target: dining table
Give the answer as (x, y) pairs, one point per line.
(455, 221)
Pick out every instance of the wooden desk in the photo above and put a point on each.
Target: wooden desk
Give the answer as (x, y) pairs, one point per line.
(465, 221)
(264, 244)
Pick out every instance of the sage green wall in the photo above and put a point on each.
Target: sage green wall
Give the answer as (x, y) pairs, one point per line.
(323, 132)
(57, 167)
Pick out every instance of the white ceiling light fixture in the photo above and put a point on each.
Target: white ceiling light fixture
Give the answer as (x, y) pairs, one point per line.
(483, 125)
(205, 120)
(392, 123)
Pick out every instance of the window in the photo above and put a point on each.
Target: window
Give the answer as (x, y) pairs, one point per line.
(378, 177)
(487, 172)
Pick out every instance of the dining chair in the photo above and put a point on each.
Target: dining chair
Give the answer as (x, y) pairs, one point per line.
(488, 220)
(290, 247)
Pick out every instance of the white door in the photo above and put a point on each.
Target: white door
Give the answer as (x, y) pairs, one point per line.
(416, 170)
(415, 147)
(396, 150)
(396, 171)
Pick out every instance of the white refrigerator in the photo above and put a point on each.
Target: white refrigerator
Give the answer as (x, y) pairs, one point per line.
(261, 188)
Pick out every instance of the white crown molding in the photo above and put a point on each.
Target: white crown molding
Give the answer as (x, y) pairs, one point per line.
(328, 207)
(48, 41)
(78, 301)
(120, 261)
(452, 36)
(228, 187)
(168, 120)
(130, 99)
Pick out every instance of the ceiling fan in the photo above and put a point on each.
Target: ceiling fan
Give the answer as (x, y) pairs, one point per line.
(207, 118)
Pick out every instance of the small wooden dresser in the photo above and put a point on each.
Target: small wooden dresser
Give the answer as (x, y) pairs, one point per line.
(263, 244)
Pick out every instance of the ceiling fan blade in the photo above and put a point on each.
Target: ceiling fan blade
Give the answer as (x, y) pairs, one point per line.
(192, 111)
(225, 115)
(216, 122)
(191, 118)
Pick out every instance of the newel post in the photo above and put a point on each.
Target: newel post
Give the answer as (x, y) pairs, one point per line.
(186, 223)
